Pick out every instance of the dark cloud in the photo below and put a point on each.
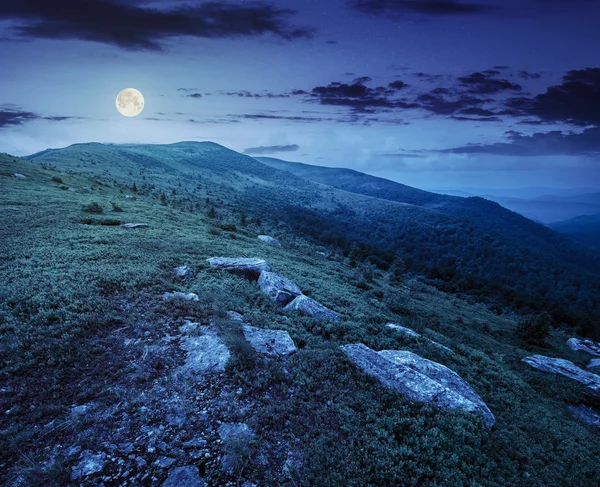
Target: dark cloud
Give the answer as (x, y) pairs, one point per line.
(137, 27)
(428, 77)
(270, 149)
(262, 94)
(435, 102)
(11, 116)
(529, 75)
(434, 8)
(292, 118)
(397, 85)
(194, 95)
(484, 83)
(586, 143)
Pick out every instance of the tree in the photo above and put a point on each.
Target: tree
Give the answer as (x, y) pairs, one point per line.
(134, 188)
(534, 329)
(397, 270)
(243, 219)
(163, 199)
(212, 213)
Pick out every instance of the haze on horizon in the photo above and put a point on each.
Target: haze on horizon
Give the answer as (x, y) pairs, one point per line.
(435, 94)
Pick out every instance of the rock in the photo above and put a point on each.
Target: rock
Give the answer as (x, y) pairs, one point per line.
(250, 268)
(419, 379)
(89, 463)
(235, 316)
(184, 477)
(313, 308)
(206, 354)
(135, 225)
(194, 443)
(232, 433)
(594, 363)
(586, 414)
(566, 368)
(184, 296)
(164, 462)
(270, 342)
(588, 346)
(19, 176)
(183, 272)
(269, 240)
(414, 334)
(278, 287)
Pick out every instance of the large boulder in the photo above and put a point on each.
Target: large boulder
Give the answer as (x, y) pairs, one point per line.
(313, 308)
(278, 287)
(419, 379)
(183, 272)
(566, 368)
(180, 295)
(270, 342)
(184, 477)
(588, 346)
(594, 364)
(413, 334)
(269, 240)
(250, 268)
(206, 354)
(19, 176)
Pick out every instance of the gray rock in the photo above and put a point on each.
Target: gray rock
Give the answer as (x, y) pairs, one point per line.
(195, 443)
(135, 225)
(178, 295)
(594, 363)
(313, 308)
(269, 240)
(232, 433)
(566, 368)
(89, 464)
(270, 342)
(588, 346)
(235, 316)
(164, 462)
(419, 379)
(278, 287)
(19, 176)
(183, 272)
(184, 477)
(206, 354)
(586, 414)
(249, 268)
(414, 334)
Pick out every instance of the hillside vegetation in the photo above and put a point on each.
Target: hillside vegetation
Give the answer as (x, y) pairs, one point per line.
(90, 350)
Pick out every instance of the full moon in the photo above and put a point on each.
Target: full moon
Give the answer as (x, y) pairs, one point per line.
(130, 102)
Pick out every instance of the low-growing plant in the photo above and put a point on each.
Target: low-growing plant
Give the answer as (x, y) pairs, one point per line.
(93, 208)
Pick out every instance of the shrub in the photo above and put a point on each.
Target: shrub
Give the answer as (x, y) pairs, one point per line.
(116, 208)
(93, 208)
(534, 329)
(56, 179)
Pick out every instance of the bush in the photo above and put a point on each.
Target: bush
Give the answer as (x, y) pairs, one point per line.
(534, 329)
(116, 208)
(56, 179)
(93, 208)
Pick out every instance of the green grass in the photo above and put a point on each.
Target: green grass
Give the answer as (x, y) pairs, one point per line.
(81, 321)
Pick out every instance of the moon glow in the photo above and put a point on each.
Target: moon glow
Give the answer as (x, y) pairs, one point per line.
(130, 102)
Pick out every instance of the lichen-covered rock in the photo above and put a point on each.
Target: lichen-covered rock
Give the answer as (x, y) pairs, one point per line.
(414, 334)
(184, 477)
(313, 308)
(588, 346)
(179, 295)
(419, 379)
(89, 464)
(206, 353)
(135, 225)
(278, 287)
(269, 240)
(250, 268)
(183, 272)
(270, 342)
(566, 368)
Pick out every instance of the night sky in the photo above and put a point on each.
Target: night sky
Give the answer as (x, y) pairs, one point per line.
(435, 94)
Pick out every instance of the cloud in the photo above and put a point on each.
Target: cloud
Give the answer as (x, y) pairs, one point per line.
(586, 143)
(12, 116)
(137, 27)
(292, 118)
(529, 75)
(270, 149)
(432, 8)
(483, 83)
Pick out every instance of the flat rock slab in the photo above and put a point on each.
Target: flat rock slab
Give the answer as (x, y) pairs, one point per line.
(19, 176)
(588, 346)
(419, 379)
(270, 342)
(313, 308)
(269, 240)
(135, 225)
(250, 268)
(594, 363)
(184, 477)
(183, 272)
(586, 414)
(207, 353)
(178, 295)
(566, 368)
(278, 287)
(414, 334)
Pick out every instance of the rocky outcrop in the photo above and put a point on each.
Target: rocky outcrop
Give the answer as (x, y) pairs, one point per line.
(135, 225)
(89, 463)
(206, 354)
(179, 295)
(313, 308)
(413, 334)
(184, 477)
(183, 272)
(588, 346)
(269, 342)
(566, 368)
(269, 240)
(586, 414)
(278, 287)
(250, 268)
(235, 316)
(419, 379)
(594, 364)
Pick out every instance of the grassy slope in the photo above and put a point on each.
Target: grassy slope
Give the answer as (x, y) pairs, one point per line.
(81, 322)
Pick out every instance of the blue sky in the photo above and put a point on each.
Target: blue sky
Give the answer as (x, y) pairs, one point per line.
(436, 94)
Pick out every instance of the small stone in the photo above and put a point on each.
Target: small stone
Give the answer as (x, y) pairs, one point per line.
(183, 272)
(195, 443)
(165, 462)
(140, 462)
(184, 477)
(89, 463)
(19, 176)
